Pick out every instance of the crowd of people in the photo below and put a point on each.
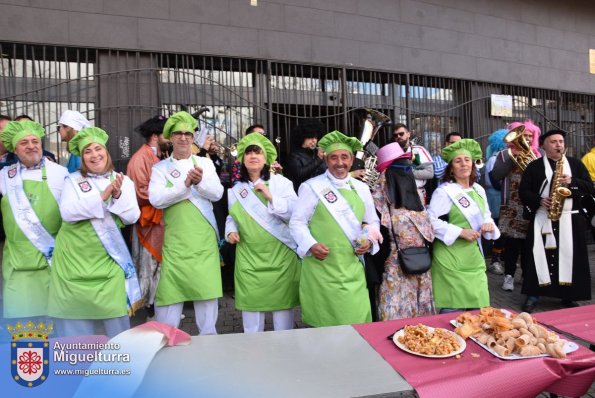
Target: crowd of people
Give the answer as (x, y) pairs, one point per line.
(306, 233)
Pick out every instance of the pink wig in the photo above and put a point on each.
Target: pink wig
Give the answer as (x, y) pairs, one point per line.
(532, 127)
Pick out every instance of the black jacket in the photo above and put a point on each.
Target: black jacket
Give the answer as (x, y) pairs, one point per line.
(303, 164)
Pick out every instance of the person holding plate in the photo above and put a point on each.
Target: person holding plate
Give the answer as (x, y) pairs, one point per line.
(460, 217)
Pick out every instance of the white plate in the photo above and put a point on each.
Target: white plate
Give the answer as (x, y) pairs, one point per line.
(460, 340)
(569, 346)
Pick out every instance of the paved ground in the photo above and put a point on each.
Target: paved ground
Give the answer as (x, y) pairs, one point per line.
(230, 320)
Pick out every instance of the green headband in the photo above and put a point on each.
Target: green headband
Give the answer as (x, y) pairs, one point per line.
(16, 131)
(466, 146)
(179, 121)
(85, 137)
(270, 153)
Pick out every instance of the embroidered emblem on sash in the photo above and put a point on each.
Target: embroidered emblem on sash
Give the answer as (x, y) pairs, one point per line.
(12, 172)
(330, 197)
(85, 186)
(174, 173)
(464, 202)
(244, 193)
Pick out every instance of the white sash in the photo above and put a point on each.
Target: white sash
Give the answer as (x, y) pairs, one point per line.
(203, 205)
(111, 238)
(259, 212)
(543, 226)
(24, 215)
(338, 207)
(467, 206)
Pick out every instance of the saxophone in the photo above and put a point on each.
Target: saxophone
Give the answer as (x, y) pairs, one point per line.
(558, 193)
(373, 122)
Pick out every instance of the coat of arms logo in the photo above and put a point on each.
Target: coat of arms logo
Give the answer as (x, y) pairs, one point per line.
(85, 186)
(464, 202)
(12, 172)
(330, 197)
(30, 360)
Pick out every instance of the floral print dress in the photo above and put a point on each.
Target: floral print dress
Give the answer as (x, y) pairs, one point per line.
(402, 295)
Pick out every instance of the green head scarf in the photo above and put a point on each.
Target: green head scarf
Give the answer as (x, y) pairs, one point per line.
(466, 146)
(179, 121)
(336, 140)
(270, 153)
(15, 131)
(85, 137)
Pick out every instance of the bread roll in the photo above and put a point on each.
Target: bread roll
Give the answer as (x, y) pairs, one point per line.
(529, 350)
(518, 323)
(523, 340)
(509, 333)
(501, 350)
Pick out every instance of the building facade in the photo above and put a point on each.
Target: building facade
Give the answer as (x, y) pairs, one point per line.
(432, 64)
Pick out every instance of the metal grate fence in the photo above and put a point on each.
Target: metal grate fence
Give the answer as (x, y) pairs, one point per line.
(117, 90)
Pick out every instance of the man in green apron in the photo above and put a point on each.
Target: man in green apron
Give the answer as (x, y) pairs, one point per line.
(330, 225)
(184, 185)
(31, 189)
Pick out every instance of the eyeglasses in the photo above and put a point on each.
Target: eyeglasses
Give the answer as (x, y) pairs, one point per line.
(183, 134)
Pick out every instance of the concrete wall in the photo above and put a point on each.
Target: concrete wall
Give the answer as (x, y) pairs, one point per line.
(520, 42)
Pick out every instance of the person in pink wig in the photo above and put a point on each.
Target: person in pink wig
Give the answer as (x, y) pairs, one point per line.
(511, 223)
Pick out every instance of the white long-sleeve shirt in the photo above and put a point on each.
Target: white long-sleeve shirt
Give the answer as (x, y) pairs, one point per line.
(74, 208)
(284, 200)
(307, 201)
(55, 175)
(447, 232)
(162, 196)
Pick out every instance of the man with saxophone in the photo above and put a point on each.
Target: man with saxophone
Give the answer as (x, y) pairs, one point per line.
(551, 188)
(507, 171)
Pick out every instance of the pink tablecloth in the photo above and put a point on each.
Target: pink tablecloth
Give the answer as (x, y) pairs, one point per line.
(485, 376)
(579, 321)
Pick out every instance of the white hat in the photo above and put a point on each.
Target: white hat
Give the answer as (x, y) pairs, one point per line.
(74, 119)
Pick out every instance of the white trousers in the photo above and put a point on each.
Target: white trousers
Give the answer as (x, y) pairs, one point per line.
(254, 321)
(86, 327)
(205, 312)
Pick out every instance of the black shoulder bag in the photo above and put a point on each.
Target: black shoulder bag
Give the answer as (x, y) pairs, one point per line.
(413, 260)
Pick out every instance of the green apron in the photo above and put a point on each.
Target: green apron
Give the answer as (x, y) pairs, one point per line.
(267, 272)
(191, 269)
(86, 282)
(458, 271)
(25, 270)
(333, 291)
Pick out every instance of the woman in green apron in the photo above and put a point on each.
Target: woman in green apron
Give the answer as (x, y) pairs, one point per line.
(460, 217)
(93, 277)
(267, 269)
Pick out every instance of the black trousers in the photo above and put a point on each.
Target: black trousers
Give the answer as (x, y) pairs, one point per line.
(514, 248)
